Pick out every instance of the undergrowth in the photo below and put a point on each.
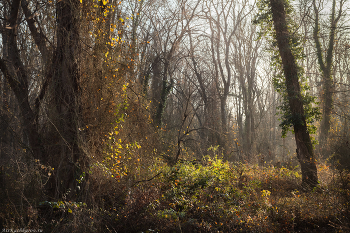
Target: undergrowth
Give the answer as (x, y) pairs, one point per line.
(198, 196)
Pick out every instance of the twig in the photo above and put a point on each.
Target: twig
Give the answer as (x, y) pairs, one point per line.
(146, 179)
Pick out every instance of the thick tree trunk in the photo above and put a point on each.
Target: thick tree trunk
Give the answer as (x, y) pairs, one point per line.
(290, 68)
(327, 97)
(61, 75)
(157, 87)
(65, 90)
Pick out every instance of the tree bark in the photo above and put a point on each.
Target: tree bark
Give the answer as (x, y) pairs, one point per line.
(305, 151)
(65, 85)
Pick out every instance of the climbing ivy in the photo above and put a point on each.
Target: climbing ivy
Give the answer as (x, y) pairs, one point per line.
(311, 109)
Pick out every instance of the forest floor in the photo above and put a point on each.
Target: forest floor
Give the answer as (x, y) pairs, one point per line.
(211, 196)
(221, 197)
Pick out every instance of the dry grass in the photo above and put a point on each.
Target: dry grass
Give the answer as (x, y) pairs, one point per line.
(209, 197)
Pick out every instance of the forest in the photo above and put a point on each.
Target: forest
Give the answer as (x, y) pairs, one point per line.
(174, 116)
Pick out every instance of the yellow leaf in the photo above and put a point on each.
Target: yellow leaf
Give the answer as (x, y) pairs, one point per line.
(70, 211)
(104, 2)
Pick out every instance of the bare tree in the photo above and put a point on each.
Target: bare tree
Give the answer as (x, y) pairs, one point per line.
(207, 117)
(326, 65)
(245, 60)
(60, 82)
(224, 19)
(166, 37)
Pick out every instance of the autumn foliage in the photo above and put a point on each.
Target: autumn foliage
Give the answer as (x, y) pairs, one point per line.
(160, 116)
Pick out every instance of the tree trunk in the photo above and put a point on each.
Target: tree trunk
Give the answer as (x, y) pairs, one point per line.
(65, 85)
(326, 70)
(15, 73)
(305, 151)
(157, 87)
